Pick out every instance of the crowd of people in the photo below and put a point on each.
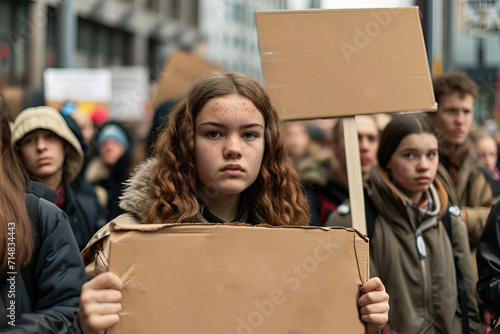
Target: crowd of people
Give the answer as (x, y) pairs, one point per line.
(221, 154)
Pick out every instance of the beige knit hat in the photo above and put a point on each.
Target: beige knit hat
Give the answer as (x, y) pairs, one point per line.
(48, 118)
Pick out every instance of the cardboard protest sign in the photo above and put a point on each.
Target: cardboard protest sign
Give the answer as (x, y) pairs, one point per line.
(88, 87)
(131, 93)
(330, 63)
(181, 69)
(345, 62)
(232, 279)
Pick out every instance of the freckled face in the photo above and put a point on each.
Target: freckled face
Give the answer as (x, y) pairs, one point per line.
(229, 145)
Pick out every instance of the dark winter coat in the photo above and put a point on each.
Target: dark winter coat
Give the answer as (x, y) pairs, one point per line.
(46, 296)
(488, 262)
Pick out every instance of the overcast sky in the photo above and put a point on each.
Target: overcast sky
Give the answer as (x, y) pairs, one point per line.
(302, 4)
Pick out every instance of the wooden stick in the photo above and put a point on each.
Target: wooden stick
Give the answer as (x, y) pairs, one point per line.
(354, 176)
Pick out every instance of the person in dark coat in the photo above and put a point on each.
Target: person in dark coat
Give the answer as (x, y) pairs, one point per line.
(41, 271)
(111, 165)
(51, 153)
(488, 265)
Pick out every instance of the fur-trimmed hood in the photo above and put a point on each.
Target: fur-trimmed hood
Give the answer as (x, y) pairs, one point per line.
(137, 197)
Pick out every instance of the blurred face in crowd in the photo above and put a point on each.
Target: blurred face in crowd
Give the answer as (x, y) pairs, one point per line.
(487, 148)
(414, 164)
(453, 119)
(86, 125)
(298, 138)
(368, 140)
(229, 145)
(110, 151)
(43, 153)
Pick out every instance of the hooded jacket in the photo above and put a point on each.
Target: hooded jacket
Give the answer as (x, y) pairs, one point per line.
(412, 254)
(85, 214)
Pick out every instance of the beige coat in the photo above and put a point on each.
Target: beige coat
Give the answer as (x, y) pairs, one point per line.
(137, 199)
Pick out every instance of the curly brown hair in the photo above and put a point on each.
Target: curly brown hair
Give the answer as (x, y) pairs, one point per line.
(452, 82)
(276, 194)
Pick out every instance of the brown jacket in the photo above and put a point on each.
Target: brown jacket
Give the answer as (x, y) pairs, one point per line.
(423, 291)
(472, 194)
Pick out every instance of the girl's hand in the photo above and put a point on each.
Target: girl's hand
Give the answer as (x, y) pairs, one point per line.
(100, 303)
(374, 305)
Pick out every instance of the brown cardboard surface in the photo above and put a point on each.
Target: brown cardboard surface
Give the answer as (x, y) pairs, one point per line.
(329, 63)
(226, 279)
(180, 70)
(14, 100)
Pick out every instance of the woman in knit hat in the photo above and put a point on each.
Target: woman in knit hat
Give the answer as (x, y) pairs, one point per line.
(111, 165)
(52, 154)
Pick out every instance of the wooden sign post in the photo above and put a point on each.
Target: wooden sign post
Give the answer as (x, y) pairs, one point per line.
(342, 63)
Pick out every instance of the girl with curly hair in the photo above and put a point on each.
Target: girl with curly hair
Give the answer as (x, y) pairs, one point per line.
(221, 157)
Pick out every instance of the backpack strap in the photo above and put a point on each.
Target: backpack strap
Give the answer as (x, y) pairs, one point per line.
(28, 271)
(462, 292)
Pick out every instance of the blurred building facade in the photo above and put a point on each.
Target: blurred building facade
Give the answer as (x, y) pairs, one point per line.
(229, 32)
(35, 35)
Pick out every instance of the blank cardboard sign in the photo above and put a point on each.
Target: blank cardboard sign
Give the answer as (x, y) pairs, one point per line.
(227, 279)
(181, 69)
(330, 63)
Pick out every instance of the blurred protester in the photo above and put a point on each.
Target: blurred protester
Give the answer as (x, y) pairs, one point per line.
(79, 184)
(298, 139)
(325, 198)
(41, 271)
(418, 247)
(160, 116)
(111, 165)
(488, 266)
(86, 126)
(52, 154)
(487, 148)
(309, 155)
(460, 169)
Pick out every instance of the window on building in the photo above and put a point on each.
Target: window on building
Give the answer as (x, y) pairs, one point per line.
(174, 9)
(153, 5)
